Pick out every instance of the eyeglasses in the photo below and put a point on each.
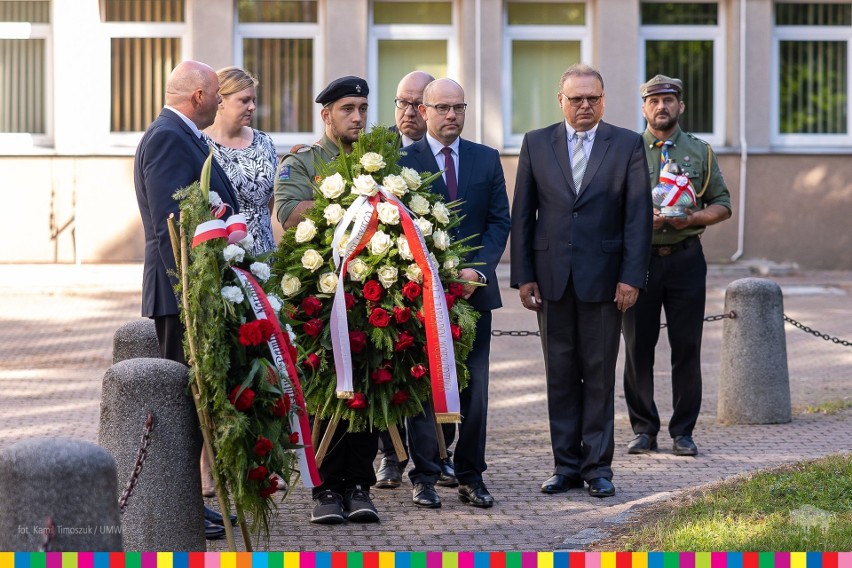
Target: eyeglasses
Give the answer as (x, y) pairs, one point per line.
(577, 102)
(444, 109)
(403, 104)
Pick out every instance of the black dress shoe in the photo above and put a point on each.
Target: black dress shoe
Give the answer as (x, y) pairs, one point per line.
(559, 483)
(684, 446)
(215, 517)
(424, 495)
(212, 531)
(448, 474)
(389, 475)
(476, 494)
(642, 444)
(601, 487)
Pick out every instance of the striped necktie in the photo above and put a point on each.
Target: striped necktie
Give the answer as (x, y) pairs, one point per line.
(578, 163)
(663, 145)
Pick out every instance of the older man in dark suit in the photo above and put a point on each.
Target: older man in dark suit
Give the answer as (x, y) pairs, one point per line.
(473, 174)
(581, 243)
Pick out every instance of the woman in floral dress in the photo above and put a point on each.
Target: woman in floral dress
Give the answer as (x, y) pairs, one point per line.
(246, 154)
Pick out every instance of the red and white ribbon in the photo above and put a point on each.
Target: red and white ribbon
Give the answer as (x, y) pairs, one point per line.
(279, 347)
(209, 230)
(680, 185)
(236, 227)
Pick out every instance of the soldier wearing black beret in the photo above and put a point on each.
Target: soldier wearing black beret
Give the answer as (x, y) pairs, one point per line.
(344, 112)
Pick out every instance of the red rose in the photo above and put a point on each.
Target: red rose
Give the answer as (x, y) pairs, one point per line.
(381, 376)
(405, 341)
(418, 370)
(372, 291)
(357, 341)
(411, 291)
(311, 306)
(313, 327)
(294, 438)
(294, 353)
(312, 362)
(273, 487)
(350, 300)
(401, 315)
(379, 317)
(357, 402)
(257, 473)
(266, 329)
(456, 289)
(282, 407)
(455, 331)
(420, 317)
(450, 300)
(250, 334)
(399, 397)
(241, 400)
(263, 446)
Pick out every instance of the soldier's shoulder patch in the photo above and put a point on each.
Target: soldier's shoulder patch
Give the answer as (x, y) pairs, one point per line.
(284, 172)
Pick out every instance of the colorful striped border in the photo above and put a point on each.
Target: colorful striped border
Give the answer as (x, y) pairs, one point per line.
(426, 560)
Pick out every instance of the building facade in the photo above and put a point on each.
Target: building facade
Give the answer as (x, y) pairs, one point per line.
(767, 83)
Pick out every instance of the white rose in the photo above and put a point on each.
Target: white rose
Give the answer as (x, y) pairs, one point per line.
(333, 213)
(441, 239)
(425, 226)
(403, 248)
(305, 231)
(290, 333)
(364, 185)
(275, 302)
(233, 294)
(214, 199)
(411, 177)
(388, 275)
(414, 273)
(396, 185)
(372, 162)
(233, 253)
(380, 243)
(261, 270)
(388, 213)
(441, 213)
(341, 246)
(451, 262)
(419, 204)
(328, 283)
(332, 186)
(312, 260)
(247, 242)
(358, 270)
(290, 285)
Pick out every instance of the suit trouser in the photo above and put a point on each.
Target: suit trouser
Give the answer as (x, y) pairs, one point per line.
(349, 460)
(677, 284)
(170, 337)
(580, 343)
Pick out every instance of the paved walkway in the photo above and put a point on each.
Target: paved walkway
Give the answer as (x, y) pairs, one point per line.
(56, 326)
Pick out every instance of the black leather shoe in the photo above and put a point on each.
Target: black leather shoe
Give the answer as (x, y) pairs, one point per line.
(601, 487)
(389, 475)
(642, 444)
(476, 494)
(215, 517)
(448, 474)
(424, 495)
(559, 483)
(684, 446)
(212, 531)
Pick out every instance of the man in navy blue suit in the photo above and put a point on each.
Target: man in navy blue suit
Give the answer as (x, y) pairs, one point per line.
(473, 174)
(581, 243)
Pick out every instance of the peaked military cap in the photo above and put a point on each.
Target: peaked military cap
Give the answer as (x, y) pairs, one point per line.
(349, 86)
(661, 84)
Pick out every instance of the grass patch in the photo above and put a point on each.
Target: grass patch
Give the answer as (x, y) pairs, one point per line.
(803, 506)
(830, 407)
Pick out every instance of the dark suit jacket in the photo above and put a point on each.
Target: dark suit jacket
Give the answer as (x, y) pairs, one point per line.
(601, 237)
(485, 207)
(169, 157)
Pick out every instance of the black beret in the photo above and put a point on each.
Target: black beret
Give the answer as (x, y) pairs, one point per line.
(661, 84)
(349, 86)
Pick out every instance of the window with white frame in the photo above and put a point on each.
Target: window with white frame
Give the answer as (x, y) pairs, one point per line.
(685, 40)
(542, 39)
(407, 36)
(811, 52)
(146, 43)
(24, 61)
(278, 41)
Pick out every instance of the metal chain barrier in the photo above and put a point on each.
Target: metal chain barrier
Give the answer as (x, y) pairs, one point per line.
(498, 333)
(140, 459)
(816, 333)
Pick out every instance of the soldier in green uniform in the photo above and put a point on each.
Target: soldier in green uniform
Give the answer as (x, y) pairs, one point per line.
(344, 112)
(676, 276)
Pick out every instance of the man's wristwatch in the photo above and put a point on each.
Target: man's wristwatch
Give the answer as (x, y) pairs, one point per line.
(482, 279)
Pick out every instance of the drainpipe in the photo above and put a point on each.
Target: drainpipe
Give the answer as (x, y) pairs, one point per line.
(743, 142)
(478, 69)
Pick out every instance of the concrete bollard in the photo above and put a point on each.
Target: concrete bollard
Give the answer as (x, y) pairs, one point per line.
(72, 483)
(754, 385)
(165, 510)
(137, 338)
